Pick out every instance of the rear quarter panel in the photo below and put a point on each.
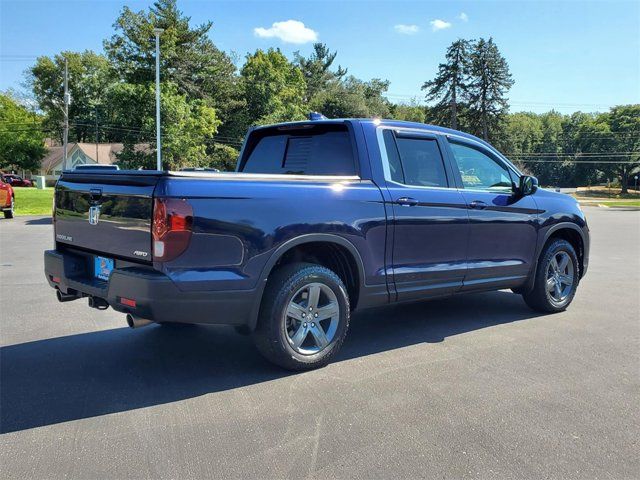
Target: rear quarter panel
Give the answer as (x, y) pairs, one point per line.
(240, 221)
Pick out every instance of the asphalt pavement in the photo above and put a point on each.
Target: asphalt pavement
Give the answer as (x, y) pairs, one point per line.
(474, 386)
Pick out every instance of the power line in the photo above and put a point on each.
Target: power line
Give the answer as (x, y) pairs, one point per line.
(611, 162)
(576, 154)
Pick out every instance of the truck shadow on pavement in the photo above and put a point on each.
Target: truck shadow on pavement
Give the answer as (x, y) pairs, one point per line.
(80, 376)
(39, 221)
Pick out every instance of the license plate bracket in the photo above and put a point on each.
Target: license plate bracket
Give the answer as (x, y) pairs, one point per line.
(102, 267)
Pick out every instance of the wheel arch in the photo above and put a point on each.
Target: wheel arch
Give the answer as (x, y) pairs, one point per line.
(302, 248)
(567, 231)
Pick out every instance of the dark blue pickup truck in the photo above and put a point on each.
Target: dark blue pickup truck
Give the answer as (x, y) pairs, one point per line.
(320, 218)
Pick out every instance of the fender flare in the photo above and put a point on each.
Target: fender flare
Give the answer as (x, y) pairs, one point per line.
(292, 243)
(550, 231)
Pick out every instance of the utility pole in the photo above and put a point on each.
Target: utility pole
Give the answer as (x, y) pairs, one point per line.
(65, 139)
(95, 109)
(158, 31)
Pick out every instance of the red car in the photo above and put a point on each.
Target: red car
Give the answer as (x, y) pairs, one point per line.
(7, 199)
(16, 180)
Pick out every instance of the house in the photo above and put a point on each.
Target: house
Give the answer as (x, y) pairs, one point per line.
(51, 165)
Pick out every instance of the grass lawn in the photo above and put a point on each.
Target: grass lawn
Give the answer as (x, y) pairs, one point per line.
(629, 203)
(602, 192)
(31, 201)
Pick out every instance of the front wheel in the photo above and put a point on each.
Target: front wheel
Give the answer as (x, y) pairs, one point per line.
(556, 278)
(304, 317)
(9, 213)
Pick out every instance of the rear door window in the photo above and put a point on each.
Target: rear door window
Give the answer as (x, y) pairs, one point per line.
(321, 150)
(415, 161)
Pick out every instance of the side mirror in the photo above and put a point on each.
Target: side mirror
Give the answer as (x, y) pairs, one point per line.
(528, 185)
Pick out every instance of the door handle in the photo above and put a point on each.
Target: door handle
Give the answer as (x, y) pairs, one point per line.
(407, 202)
(478, 205)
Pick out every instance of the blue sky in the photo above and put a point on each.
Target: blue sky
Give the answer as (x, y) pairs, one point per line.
(571, 55)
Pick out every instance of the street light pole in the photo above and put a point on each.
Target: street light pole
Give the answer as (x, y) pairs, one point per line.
(65, 138)
(158, 31)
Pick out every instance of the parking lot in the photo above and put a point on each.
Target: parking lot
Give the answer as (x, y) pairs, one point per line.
(473, 386)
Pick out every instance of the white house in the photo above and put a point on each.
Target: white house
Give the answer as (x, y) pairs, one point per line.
(80, 154)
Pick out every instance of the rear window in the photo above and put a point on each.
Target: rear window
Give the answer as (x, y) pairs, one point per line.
(315, 150)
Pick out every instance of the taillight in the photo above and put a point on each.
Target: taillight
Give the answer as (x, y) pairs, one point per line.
(171, 228)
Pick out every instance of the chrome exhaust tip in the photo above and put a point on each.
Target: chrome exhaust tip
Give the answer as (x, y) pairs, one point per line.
(137, 322)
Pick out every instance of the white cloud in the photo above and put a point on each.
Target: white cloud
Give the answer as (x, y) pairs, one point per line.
(463, 16)
(438, 24)
(407, 29)
(290, 31)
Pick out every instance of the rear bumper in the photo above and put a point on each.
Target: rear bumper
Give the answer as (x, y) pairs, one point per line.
(156, 296)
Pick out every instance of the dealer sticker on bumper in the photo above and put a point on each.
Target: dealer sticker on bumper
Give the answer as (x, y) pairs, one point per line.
(102, 267)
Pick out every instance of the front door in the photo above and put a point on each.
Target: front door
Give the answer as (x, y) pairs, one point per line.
(430, 221)
(503, 232)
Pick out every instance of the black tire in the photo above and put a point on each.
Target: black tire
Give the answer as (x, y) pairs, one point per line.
(540, 298)
(9, 213)
(270, 335)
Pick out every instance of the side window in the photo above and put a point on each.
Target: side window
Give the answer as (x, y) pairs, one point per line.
(395, 167)
(479, 171)
(417, 161)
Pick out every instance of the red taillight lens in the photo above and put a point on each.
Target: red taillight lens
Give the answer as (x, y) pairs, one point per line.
(128, 302)
(171, 229)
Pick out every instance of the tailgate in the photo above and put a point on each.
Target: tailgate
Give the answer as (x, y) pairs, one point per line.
(106, 213)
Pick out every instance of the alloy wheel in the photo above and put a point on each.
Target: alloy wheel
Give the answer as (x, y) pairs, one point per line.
(560, 277)
(312, 318)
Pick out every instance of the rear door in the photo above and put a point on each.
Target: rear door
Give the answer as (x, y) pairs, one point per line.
(430, 222)
(106, 213)
(503, 231)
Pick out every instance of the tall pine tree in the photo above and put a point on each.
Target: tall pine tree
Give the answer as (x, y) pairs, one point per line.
(316, 69)
(449, 88)
(490, 82)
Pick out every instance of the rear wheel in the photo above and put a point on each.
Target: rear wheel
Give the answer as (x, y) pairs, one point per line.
(556, 278)
(304, 317)
(9, 213)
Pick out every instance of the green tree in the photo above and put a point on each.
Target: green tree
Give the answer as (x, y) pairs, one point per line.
(222, 157)
(523, 133)
(338, 101)
(450, 86)
(614, 135)
(410, 112)
(553, 167)
(273, 87)
(583, 173)
(21, 136)
(489, 84)
(187, 126)
(189, 59)
(316, 69)
(90, 75)
(353, 98)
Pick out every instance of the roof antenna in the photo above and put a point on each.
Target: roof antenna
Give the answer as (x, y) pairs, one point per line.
(314, 116)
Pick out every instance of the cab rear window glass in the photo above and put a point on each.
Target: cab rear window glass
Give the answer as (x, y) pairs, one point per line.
(320, 150)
